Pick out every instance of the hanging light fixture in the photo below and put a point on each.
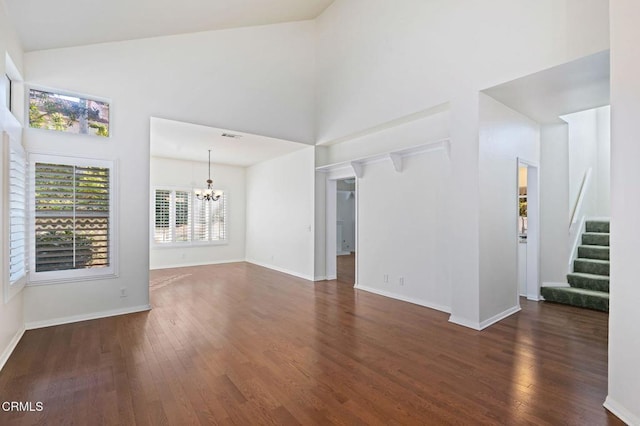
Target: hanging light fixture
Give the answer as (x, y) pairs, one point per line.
(207, 194)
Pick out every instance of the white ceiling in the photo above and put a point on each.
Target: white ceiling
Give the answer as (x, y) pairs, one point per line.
(546, 95)
(47, 24)
(186, 141)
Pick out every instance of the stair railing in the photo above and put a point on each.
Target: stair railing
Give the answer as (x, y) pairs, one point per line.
(576, 223)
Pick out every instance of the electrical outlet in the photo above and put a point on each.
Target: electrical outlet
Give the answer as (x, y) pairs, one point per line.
(401, 280)
(123, 292)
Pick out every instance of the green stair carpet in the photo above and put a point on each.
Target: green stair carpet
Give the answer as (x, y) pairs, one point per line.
(589, 281)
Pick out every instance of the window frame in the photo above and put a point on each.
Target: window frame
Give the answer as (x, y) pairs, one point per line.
(60, 92)
(52, 277)
(191, 217)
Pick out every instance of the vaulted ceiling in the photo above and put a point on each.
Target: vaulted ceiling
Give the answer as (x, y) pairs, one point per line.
(46, 24)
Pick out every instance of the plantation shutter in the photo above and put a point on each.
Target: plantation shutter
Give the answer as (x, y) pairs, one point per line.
(209, 219)
(218, 215)
(202, 211)
(71, 217)
(17, 212)
(182, 217)
(163, 232)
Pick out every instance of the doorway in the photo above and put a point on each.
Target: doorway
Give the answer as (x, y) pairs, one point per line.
(342, 228)
(528, 225)
(346, 230)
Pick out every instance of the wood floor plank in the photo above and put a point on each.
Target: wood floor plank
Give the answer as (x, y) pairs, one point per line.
(238, 344)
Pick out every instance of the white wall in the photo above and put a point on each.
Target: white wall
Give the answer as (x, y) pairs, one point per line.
(603, 183)
(258, 80)
(554, 193)
(624, 315)
(11, 313)
(505, 136)
(168, 173)
(280, 213)
(380, 60)
(400, 233)
(589, 148)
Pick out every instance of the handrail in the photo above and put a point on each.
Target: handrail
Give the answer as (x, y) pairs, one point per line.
(576, 224)
(581, 195)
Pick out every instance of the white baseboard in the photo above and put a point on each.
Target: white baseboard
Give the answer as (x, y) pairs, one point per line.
(621, 412)
(479, 326)
(85, 317)
(320, 278)
(413, 300)
(283, 270)
(475, 325)
(552, 284)
(12, 345)
(598, 218)
(502, 315)
(332, 277)
(535, 298)
(186, 265)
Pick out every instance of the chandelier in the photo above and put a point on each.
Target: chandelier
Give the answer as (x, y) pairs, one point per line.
(207, 194)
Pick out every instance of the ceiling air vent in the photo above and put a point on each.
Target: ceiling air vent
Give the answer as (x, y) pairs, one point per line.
(231, 135)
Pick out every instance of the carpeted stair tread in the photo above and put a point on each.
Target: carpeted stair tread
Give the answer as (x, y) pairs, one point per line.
(580, 297)
(591, 266)
(597, 226)
(595, 238)
(588, 281)
(593, 252)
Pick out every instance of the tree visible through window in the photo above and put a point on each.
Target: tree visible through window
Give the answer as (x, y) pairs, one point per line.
(72, 217)
(66, 113)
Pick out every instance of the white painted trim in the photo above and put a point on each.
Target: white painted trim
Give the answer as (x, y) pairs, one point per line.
(575, 239)
(331, 217)
(320, 278)
(186, 265)
(479, 326)
(86, 317)
(464, 322)
(396, 158)
(413, 300)
(331, 277)
(584, 187)
(499, 317)
(552, 284)
(533, 233)
(619, 411)
(283, 270)
(11, 347)
(599, 219)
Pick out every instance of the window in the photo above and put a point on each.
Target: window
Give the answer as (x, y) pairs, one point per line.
(68, 113)
(179, 217)
(73, 219)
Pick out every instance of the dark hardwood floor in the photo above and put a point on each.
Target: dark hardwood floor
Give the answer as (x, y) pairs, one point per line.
(346, 268)
(240, 344)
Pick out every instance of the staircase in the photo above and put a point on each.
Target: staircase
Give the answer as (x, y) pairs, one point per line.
(589, 281)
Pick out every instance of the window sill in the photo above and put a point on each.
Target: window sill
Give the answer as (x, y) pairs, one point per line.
(187, 245)
(49, 281)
